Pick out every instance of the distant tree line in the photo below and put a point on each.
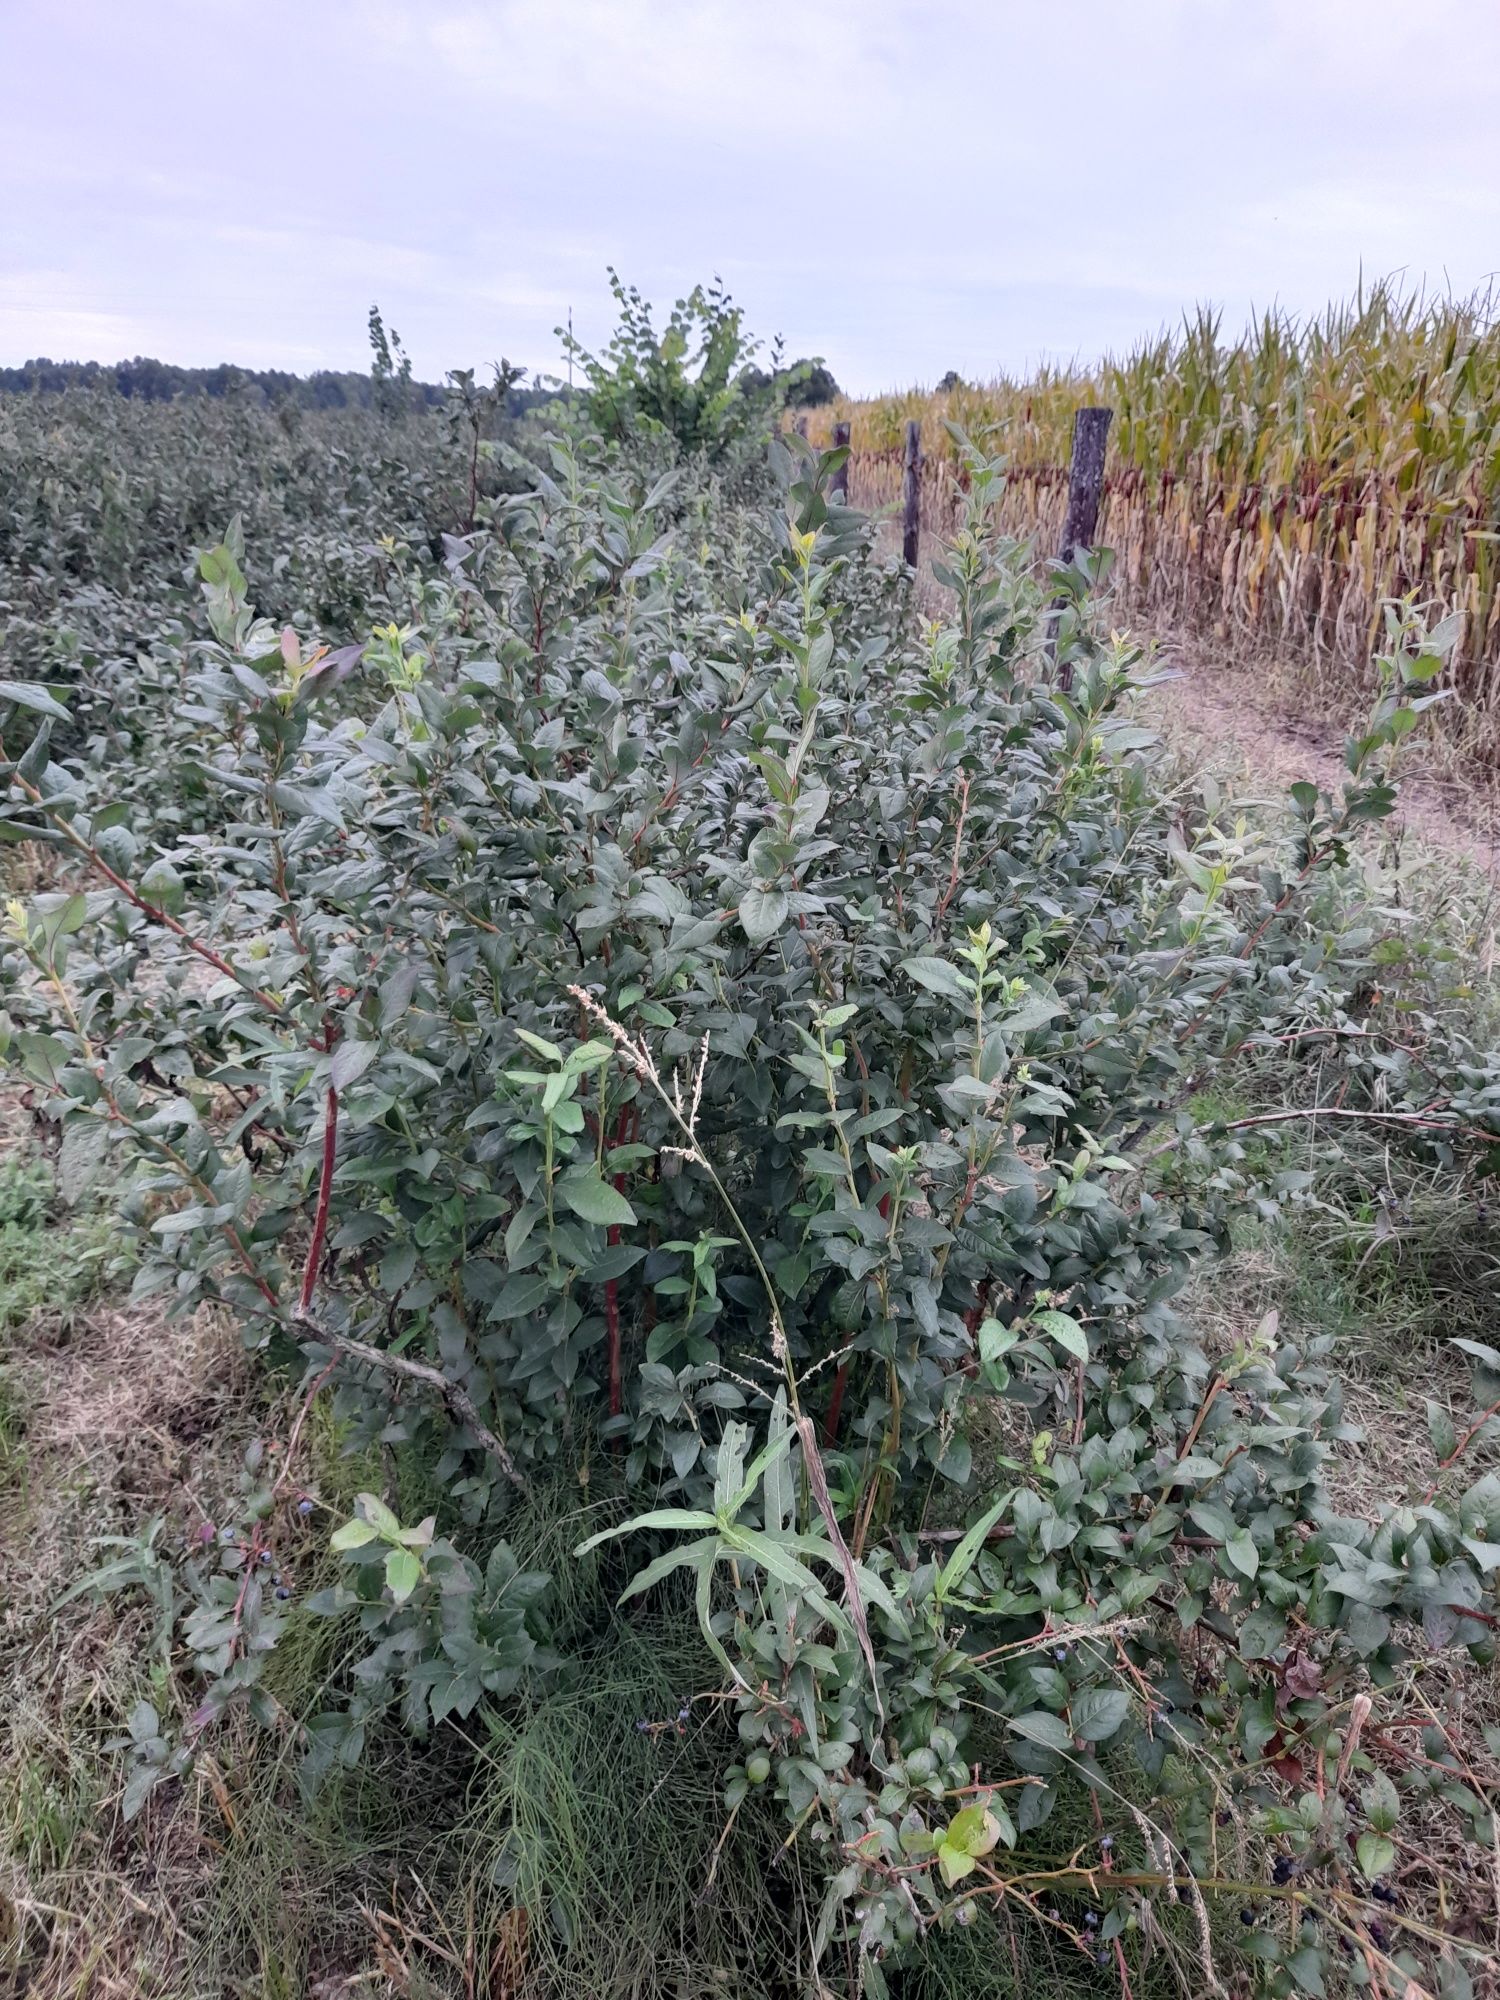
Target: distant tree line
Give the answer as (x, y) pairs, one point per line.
(152, 381)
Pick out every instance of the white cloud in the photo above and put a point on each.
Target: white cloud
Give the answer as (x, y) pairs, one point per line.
(40, 314)
(903, 185)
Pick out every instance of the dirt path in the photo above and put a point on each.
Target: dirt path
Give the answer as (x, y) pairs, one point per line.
(1232, 718)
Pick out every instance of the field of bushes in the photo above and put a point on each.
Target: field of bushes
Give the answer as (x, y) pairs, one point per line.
(1276, 489)
(705, 1288)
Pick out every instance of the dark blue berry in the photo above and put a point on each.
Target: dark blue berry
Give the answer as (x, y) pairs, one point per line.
(282, 1591)
(1108, 1842)
(1059, 1652)
(1247, 1916)
(304, 1506)
(1090, 1918)
(1284, 1870)
(265, 1555)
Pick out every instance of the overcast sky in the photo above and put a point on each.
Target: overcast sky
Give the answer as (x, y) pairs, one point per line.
(904, 186)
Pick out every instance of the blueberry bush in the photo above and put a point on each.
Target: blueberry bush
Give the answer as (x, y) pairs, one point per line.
(651, 1011)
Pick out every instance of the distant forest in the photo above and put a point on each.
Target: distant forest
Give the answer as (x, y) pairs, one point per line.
(152, 381)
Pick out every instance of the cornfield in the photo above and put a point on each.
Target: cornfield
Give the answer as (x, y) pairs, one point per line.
(1279, 488)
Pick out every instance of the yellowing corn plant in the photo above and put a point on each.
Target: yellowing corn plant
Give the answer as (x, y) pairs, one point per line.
(1284, 486)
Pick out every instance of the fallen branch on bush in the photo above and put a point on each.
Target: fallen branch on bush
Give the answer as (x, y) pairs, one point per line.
(460, 1403)
(1418, 1119)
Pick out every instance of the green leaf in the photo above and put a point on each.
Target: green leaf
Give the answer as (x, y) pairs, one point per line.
(309, 802)
(766, 1463)
(978, 1828)
(594, 1199)
(80, 1158)
(1214, 1521)
(1381, 1802)
(1242, 1552)
(403, 1572)
(1098, 1712)
(762, 912)
(966, 1554)
(379, 1516)
(1262, 1632)
(1374, 1853)
(1440, 1431)
(995, 1340)
(660, 1517)
(688, 1555)
(938, 976)
(162, 885)
(1044, 1728)
(957, 1461)
(353, 1535)
(350, 1061)
(773, 1555)
(954, 1863)
(535, 1043)
(1064, 1330)
(31, 694)
(1035, 1010)
(1306, 1967)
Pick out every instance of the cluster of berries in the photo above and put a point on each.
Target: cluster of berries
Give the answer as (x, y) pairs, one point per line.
(228, 1537)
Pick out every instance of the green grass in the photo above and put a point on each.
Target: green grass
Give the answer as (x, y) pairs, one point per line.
(52, 1261)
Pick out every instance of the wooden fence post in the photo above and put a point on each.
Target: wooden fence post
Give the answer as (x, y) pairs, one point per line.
(911, 495)
(1085, 489)
(840, 482)
(1085, 481)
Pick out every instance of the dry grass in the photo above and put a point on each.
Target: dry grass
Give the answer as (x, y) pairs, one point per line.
(125, 1415)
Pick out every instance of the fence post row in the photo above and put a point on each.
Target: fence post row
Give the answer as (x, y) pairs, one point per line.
(840, 481)
(911, 495)
(1085, 489)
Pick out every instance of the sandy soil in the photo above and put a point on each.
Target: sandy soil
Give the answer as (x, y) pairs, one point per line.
(1232, 714)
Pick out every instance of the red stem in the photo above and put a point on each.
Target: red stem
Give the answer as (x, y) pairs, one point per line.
(836, 1404)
